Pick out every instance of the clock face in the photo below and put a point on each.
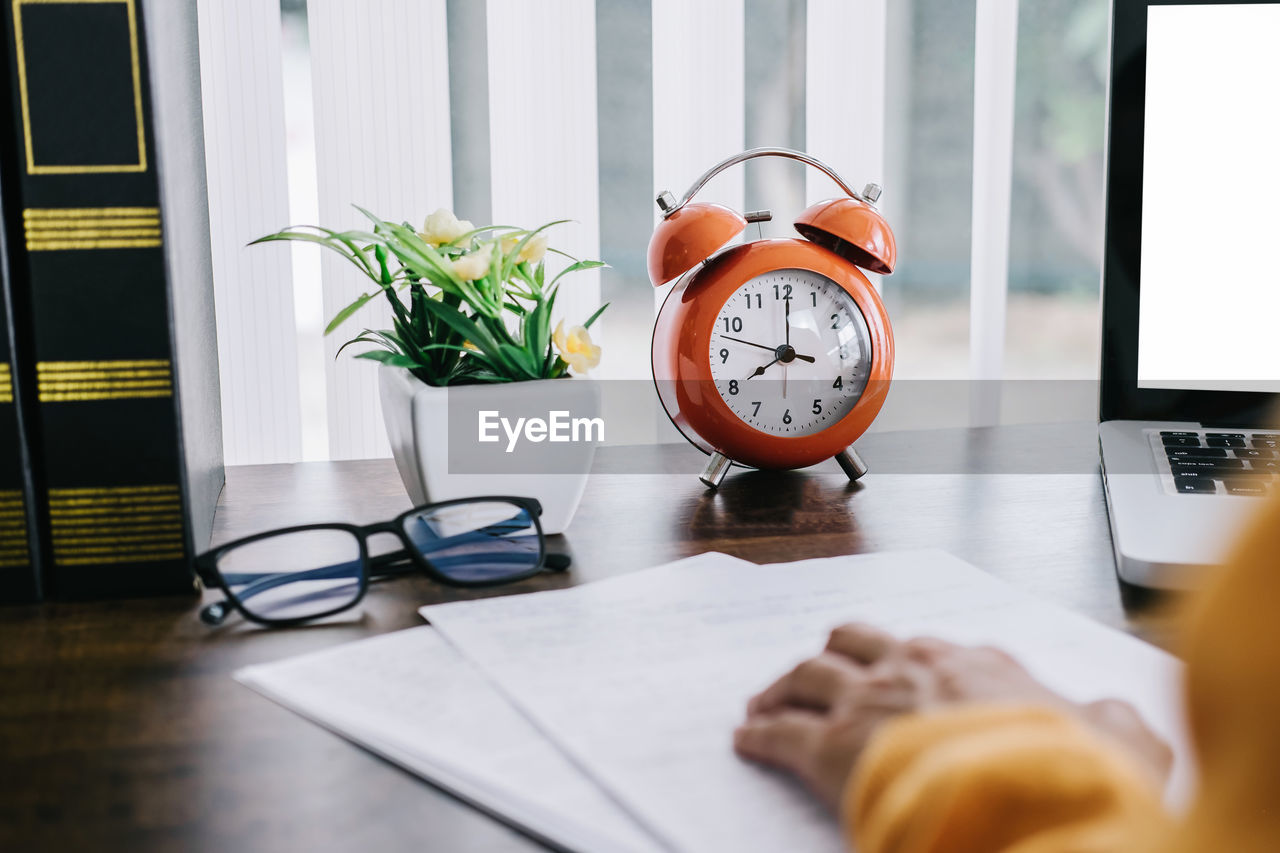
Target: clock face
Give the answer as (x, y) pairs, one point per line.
(791, 353)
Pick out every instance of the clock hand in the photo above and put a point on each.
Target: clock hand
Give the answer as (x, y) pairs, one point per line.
(748, 343)
(760, 370)
(786, 321)
(807, 358)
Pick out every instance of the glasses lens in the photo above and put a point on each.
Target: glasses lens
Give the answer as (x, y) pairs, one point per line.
(477, 541)
(298, 575)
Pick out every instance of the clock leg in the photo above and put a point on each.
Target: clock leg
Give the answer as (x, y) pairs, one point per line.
(851, 463)
(713, 474)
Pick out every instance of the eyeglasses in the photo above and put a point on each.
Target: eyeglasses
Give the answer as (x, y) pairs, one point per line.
(296, 574)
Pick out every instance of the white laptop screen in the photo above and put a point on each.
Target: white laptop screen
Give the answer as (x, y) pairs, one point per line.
(1209, 313)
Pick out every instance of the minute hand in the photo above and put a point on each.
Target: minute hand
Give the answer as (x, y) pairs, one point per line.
(748, 343)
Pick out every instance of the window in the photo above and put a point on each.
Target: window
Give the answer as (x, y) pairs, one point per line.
(523, 112)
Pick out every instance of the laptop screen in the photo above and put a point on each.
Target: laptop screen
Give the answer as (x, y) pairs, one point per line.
(1209, 311)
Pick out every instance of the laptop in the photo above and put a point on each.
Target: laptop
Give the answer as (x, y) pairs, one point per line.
(1191, 282)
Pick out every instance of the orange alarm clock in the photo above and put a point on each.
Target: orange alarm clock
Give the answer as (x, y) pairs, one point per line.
(776, 353)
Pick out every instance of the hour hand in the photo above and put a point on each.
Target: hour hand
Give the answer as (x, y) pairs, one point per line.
(759, 371)
(807, 358)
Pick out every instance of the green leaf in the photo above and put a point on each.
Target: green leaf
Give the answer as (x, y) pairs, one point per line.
(362, 339)
(341, 316)
(380, 252)
(325, 238)
(521, 358)
(510, 260)
(537, 330)
(391, 359)
(576, 267)
(468, 235)
(467, 328)
(595, 316)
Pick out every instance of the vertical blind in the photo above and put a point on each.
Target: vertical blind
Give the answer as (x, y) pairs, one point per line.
(513, 118)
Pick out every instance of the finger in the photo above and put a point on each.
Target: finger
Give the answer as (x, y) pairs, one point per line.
(790, 739)
(860, 642)
(926, 649)
(815, 683)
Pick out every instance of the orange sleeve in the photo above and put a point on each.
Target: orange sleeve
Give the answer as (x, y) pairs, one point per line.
(996, 779)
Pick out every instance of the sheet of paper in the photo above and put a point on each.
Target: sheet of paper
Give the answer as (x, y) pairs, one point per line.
(411, 698)
(642, 679)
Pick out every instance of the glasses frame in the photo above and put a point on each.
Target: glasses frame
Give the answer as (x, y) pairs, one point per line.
(206, 564)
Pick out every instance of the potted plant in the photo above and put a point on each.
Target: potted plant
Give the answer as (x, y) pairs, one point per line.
(471, 329)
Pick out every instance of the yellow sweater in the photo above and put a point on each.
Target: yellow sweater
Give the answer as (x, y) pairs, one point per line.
(1031, 780)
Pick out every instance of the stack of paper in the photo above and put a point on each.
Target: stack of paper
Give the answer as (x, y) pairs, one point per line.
(600, 717)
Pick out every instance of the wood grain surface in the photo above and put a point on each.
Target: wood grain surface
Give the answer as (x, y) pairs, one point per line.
(121, 728)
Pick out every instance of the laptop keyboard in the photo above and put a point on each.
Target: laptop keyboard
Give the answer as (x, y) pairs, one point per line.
(1208, 462)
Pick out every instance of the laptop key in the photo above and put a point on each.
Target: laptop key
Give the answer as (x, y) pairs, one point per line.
(1270, 441)
(1224, 435)
(1225, 441)
(1196, 452)
(1180, 441)
(1211, 466)
(1178, 434)
(1253, 487)
(1253, 453)
(1193, 485)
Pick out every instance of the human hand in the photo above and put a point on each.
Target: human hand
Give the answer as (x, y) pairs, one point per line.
(816, 720)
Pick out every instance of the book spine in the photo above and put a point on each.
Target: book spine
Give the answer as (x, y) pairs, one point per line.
(20, 538)
(80, 141)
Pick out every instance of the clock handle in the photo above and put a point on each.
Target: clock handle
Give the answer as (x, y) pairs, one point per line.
(869, 195)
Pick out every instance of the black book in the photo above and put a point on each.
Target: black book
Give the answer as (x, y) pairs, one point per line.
(102, 170)
(20, 576)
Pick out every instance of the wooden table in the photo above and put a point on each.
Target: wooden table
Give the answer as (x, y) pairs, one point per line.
(120, 726)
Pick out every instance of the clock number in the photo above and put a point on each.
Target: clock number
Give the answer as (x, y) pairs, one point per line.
(759, 298)
(817, 407)
(733, 387)
(755, 411)
(838, 384)
(733, 324)
(724, 356)
(786, 416)
(813, 297)
(785, 293)
(835, 321)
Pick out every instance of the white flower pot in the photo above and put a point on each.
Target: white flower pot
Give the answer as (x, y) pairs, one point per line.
(418, 420)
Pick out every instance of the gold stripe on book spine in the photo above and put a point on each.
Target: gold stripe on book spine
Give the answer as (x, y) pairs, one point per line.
(87, 212)
(75, 381)
(116, 524)
(13, 530)
(79, 491)
(54, 229)
(127, 558)
(6, 385)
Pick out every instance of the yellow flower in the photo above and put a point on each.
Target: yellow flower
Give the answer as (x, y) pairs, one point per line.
(472, 265)
(533, 250)
(509, 244)
(576, 348)
(443, 227)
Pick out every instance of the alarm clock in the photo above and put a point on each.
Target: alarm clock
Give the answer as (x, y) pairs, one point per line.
(774, 353)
